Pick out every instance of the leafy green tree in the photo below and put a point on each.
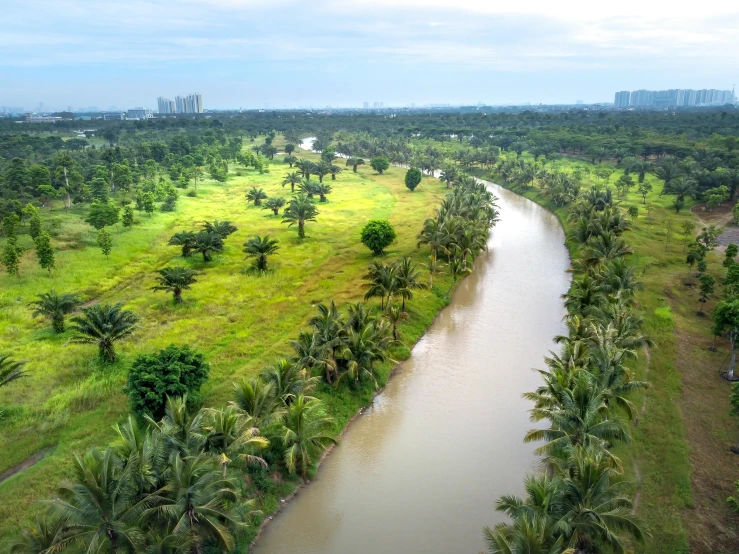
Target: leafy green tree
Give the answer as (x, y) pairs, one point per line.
(147, 202)
(307, 432)
(726, 322)
(289, 148)
(274, 203)
(12, 256)
(176, 371)
(175, 280)
(707, 282)
(127, 218)
(104, 325)
(260, 248)
(34, 226)
(54, 307)
(633, 212)
(379, 164)
(730, 255)
(102, 214)
(10, 370)
(10, 225)
(105, 241)
(299, 211)
(413, 178)
(256, 195)
(377, 235)
(44, 251)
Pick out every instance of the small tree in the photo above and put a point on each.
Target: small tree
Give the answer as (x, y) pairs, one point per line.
(34, 226)
(105, 242)
(44, 251)
(377, 235)
(256, 195)
(688, 227)
(644, 189)
(175, 280)
(633, 212)
(413, 178)
(379, 164)
(726, 322)
(127, 219)
(147, 202)
(260, 248)
(678, 205)
(300, 210)
(103, 325)
(175, 371)
(102, 214)
(12, 256)
(274, 203)
(10, 225)
(707, 282)
(730, 255)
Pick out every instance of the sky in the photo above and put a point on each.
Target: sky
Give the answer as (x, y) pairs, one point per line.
(285, 53)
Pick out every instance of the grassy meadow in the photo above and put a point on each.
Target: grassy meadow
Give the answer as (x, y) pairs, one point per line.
(679, 458)
(241, 321)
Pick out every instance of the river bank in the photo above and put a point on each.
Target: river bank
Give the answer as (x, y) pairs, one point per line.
(680, 444)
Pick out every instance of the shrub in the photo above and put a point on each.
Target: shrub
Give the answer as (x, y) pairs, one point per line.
(379, 164)
(413, 178)
(377, 235)
(174, 371)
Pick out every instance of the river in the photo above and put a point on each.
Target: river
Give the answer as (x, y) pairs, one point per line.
(420, 470)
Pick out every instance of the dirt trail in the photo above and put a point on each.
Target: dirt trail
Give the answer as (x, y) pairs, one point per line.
(25, 464)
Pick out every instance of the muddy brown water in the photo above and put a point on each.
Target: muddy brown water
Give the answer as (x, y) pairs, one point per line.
(420, 470)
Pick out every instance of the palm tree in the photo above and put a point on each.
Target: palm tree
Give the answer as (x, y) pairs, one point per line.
(434, 236)
(221, 228)
(448, 175)
(229, 433)
(299, 210)
(382, 282)
(175, 280)
(307, 430)
(257, 399)
(98, 507)
(206, 243)
(46, 536)
(321, 169)
(458, 269)
(408, 279)
(395, 315)
(103, 325)
(305, 168)
(334, 170)
(668, 172)
(198, 503)
(359, 316)
(54, 307)
(433, 266)
(259, 248)
(354, 162)
(274, 203)
(10, 370)
(290, 160)
(362, 349)
(322, 190)
(256, 195)
(185, 239)
(292, 179)
(288, 380)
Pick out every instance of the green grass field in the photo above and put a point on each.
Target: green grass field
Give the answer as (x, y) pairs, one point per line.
(679, 455)
(241, 321)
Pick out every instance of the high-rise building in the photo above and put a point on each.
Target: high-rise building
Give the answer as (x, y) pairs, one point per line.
(192, 103)
(622, 99)
(674, 97)
(365, 105)
(165, 105)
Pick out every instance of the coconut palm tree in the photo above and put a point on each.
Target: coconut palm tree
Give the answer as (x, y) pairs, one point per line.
(175, 280)
(395, 315)
(449, 175)
(288, 380)
(313, 352)
(306, 432)
(299, 211)
(306, 168)
(46, 536)
(290, 160)
(198, 503)
(359, 316)
(256, 195)
(206, 243)
(257, 399)
(382, 282)
(458, 269)
(54, 307)
(259, 248)
(362, 349)
(10, 370)
(103, 325)
(434, 236)
(184, 239)
(408, 279)
(294, 178)
(97, 508)
(229, 433)
(274, 203)
(433, 266)
(334, 170)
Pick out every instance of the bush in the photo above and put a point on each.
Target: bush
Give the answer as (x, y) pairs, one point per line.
(413, 178)
(377, 235)
(379, 164)
(174, 371)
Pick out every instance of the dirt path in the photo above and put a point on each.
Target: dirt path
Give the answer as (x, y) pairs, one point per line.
(725, 220)
(25, 464)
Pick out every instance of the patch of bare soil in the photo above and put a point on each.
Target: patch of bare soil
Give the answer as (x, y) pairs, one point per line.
(25, 464)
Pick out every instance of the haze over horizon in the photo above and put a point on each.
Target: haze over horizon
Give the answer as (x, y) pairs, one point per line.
(243, 53)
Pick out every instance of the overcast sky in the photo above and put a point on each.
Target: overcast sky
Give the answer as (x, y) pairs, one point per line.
(283, 53)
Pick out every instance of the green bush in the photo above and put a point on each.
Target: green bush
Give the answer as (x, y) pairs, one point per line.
(377, 235)
(413, 178)
(174, 371)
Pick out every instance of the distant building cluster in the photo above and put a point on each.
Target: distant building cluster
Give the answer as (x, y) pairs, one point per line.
(673, 97)
(192, 103)
(375, 105)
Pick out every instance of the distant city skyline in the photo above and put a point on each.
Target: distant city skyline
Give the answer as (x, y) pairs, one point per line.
(673, 97)
(241, 53)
